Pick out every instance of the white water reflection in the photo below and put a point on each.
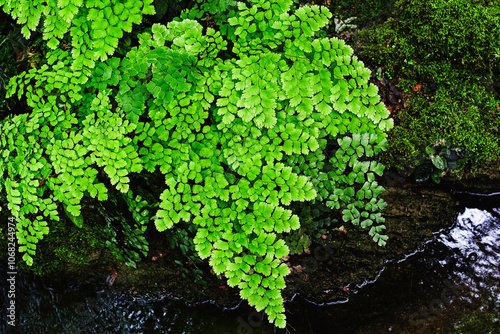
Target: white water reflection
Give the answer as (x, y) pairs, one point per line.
(475, 242)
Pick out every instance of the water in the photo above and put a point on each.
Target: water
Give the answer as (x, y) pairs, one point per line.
(475, 243)
(423, 292)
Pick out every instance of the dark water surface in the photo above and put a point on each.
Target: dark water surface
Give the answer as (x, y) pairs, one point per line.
(424, 293)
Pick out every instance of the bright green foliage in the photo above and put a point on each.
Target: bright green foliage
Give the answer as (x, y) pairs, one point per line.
(94, 25)
(49, 150)
(288, 118)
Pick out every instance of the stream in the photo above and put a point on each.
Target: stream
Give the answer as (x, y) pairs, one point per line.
(454, 272)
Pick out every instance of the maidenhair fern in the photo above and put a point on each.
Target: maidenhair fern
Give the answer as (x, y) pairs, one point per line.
(94, 25)
(287, 117)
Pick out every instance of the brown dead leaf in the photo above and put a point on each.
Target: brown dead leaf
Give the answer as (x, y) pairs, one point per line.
(298, 269)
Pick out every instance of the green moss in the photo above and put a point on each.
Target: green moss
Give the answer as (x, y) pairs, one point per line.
(439, 32)
(67, 244)
(478, 322)
(451, 50)
(470, 123)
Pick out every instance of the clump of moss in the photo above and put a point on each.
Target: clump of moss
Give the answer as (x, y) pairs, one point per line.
(67, 244)
(479, 322)
(444, 55)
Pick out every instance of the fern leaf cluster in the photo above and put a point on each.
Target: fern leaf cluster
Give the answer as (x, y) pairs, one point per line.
(93, 25)
(287, 118)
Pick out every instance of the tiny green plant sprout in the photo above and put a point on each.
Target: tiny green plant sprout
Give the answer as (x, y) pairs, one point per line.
(443, 157)
(237, 133)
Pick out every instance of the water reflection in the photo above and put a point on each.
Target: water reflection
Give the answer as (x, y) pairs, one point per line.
(44, 308)
(475, 243)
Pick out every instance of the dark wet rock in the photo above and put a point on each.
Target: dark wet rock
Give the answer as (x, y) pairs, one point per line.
(483, 184)
(394, 179)
(412, 215)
